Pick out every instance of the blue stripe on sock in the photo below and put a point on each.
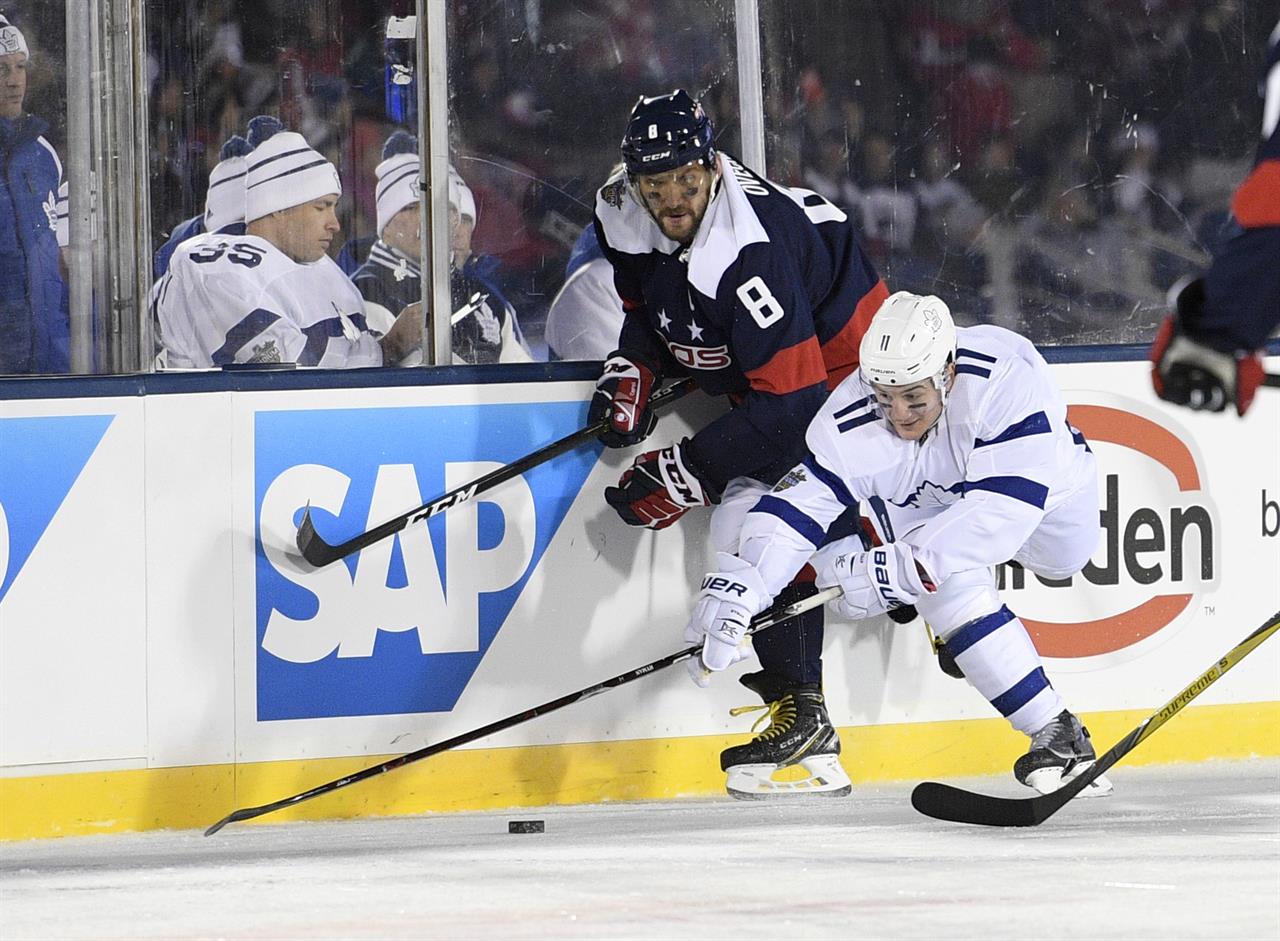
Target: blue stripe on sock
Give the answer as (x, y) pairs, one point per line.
(1021, 692)
(974, 631)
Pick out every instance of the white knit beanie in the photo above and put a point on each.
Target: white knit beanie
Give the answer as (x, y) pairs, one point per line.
(398, 179)
(399, 183)
(11, 40)
(224, 199)
(284, 171)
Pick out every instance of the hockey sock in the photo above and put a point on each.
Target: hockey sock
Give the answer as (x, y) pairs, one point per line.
(793, 649)
(1000, 662)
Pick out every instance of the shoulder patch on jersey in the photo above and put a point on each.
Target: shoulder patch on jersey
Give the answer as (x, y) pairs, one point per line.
(794, 476)
(614, 193)
(266, 352)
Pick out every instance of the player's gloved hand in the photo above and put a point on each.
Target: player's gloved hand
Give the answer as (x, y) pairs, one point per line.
(477, 332)
(622, 397)
(729, 599)
(659, 488)
(874, 581)
(1186, 372)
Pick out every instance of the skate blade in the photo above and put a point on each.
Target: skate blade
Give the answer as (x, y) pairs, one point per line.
(755, 782)
(1048, 780)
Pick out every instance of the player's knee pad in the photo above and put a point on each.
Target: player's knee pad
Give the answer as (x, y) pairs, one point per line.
(963, 597)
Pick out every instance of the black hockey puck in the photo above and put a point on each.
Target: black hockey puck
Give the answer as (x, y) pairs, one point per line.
(525, 826)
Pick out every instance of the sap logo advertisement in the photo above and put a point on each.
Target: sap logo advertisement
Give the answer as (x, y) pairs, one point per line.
(1159, 546)
(40, 461)
(401, 626)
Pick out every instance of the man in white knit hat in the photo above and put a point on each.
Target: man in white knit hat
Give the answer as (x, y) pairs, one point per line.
(273, 295)
(484, 323)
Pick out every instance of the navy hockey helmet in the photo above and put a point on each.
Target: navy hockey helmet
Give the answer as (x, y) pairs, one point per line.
(666, 132)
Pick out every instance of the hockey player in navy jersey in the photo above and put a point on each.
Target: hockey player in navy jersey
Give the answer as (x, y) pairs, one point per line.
(959, 443)
(1206, 355)
(760, 293)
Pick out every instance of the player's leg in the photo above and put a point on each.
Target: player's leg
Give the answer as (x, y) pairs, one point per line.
(789, 684)
(991, 645)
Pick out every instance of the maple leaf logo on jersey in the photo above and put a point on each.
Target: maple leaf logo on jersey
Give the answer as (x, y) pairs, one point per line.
(51, 210)
(931, 494)
(613, 193)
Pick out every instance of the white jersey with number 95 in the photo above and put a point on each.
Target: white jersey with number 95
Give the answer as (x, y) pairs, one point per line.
(239, 299)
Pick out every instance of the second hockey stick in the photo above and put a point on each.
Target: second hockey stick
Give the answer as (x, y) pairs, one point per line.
(945, 802)
(319, 553)
(764, 620)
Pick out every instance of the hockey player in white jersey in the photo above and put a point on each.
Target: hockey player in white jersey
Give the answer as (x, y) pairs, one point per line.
(273, 295)
(958, 443)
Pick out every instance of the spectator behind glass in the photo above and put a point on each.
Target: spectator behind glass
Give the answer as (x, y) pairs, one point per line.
(34, 330)
(273, 295)
(484, 324)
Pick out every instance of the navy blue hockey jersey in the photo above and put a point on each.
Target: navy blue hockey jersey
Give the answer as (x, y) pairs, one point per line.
(768, 304)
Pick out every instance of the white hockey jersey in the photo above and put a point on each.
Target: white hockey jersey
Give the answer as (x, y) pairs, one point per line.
(239, 299)
(966, 496)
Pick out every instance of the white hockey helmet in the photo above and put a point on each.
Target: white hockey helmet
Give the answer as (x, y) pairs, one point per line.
(911, 339)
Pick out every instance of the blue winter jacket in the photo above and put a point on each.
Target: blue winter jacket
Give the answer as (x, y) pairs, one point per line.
(34, 329)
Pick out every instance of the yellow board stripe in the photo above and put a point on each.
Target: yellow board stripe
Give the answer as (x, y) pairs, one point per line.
(650, 769)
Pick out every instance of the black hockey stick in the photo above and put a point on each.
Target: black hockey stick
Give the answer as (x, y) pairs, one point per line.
(320, 553)
(762, 621)
(1272, 379)
(952, 803)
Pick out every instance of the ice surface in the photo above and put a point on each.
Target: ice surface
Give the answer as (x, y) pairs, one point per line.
(1177, 852)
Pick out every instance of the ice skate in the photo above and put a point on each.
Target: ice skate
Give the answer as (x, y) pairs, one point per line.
(799, 732)
(1059, 752)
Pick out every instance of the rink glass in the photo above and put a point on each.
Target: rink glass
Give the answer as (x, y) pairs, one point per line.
(1046, 171)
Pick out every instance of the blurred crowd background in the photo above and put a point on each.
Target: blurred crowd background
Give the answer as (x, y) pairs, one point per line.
(1050, 165)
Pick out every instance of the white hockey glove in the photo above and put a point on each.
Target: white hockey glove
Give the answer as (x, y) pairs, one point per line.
(729, 599)
(873, 582)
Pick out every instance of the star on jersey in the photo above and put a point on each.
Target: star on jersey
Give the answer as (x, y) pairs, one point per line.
(663, 320)
(695, 332)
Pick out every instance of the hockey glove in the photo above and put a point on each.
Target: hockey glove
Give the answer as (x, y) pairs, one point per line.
(729, 599)
(1186, 372)
(875, 581)
(659, 488)
(622, 397)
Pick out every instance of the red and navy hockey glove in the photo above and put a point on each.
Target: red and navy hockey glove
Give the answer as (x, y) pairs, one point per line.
(659, 488)
(622, 397)
(1186, 372)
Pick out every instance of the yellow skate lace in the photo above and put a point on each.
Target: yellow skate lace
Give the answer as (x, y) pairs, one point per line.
(780, 714)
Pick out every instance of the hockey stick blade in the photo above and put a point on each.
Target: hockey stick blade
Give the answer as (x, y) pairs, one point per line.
(320, 553)
(944, 802)
(763, 621)
(1272, 379)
